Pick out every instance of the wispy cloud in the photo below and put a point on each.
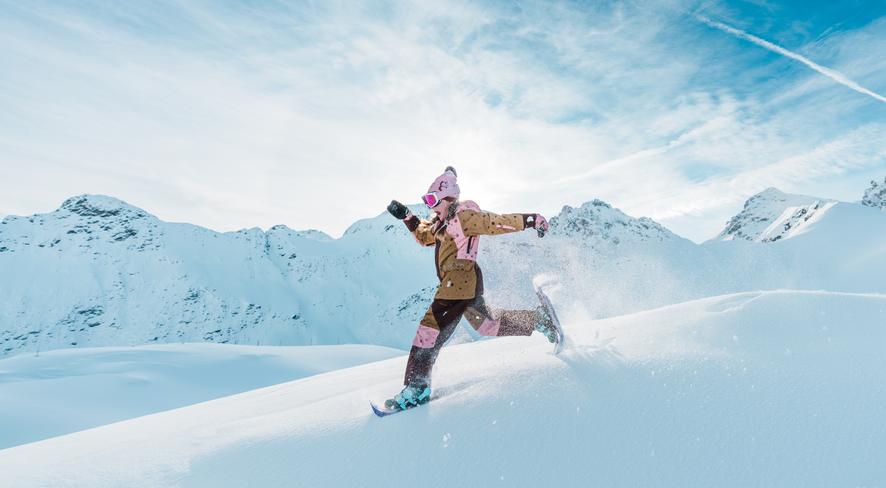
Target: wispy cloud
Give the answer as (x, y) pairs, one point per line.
(838, 77)
(315, 114)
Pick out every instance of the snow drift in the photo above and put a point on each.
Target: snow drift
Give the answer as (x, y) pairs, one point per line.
(68, 390)
(754, 389)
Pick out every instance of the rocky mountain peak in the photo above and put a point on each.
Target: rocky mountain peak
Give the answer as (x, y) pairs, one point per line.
(81, 223)
(101, 206)
(875, 196)
(598, 221)
(772, 215)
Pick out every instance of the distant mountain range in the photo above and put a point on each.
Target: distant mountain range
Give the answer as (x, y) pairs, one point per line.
(100, 272)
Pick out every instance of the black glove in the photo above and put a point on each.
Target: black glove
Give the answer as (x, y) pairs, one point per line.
(398, 210)
(536, 221)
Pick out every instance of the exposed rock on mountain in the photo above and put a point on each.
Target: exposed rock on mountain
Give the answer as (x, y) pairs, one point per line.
(100, 272)
(772, 215)
(597, 222)
(875, 196)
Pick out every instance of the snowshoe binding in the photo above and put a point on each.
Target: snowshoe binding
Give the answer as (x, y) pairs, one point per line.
(410, 397)
(544, 323)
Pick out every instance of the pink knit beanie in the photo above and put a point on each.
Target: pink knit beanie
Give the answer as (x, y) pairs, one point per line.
(445, 185)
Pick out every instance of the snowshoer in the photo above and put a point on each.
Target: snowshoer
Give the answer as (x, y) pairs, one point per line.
(455, 233)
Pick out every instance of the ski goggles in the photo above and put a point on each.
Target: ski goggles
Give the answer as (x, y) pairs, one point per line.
(431, 199)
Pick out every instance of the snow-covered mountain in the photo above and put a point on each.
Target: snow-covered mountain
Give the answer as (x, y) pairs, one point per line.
(601, 275)
(875, 196)
(597, 222)
(772, 215)
(99, 272)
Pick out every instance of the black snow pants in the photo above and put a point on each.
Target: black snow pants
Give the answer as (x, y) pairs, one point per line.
(447, 314)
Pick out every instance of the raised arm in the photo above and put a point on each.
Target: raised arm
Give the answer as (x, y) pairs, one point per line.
(422, 230)
(475, 223)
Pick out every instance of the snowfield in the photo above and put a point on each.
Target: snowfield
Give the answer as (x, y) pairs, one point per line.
(754, 389)
(67, 390)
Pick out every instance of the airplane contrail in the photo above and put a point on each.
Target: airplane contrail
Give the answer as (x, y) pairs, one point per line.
(839, 78)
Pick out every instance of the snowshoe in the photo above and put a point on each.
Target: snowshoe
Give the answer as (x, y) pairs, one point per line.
(410, 397)
(547, 322)
(544, 323)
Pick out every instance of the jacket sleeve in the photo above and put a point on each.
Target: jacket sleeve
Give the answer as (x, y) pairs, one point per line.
(475, 223)
(422, 230)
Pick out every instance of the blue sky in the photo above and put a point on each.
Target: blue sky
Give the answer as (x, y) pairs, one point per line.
(315, 114)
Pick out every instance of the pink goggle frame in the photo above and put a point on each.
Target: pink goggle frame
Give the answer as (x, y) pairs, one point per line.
(431, 200)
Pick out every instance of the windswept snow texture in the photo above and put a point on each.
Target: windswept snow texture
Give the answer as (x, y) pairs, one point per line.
(65, 391)
(875, 196)
(754, 389)
(839, 249)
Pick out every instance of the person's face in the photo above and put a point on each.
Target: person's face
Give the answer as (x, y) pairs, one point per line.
(442, 209)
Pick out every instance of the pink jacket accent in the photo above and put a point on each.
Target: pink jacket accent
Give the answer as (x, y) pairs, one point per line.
(461, 240)
(454, 229)
(489, 327)
(425, 337)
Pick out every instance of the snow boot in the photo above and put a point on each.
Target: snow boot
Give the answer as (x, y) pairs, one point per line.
(545, 324)
(410, 397)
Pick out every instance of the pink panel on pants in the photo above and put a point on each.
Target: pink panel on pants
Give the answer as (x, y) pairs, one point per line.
(425, 337)
(489, 327)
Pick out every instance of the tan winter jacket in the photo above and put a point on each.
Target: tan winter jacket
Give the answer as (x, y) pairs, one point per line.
(457, 243)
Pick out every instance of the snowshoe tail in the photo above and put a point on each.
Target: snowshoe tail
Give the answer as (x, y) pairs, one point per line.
(555, 322)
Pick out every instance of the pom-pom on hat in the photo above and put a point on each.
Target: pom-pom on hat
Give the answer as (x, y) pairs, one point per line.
(445, 185)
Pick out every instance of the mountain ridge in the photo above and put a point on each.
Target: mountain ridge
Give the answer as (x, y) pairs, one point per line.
(105, 272)
(98, 271)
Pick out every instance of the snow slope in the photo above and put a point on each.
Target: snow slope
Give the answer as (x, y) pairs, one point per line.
(64, 391)
(776, 388)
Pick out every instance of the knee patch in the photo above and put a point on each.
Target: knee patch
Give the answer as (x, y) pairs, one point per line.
(425, 337)
(489, 327)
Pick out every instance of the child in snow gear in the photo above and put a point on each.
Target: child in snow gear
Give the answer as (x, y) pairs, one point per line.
(455, 232)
